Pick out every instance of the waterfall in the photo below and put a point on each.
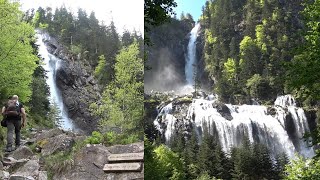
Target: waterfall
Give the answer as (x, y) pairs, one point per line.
(191, 56)
(51, 64)
(253, 121)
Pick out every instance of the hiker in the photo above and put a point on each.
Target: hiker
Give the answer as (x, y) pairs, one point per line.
(13, 111)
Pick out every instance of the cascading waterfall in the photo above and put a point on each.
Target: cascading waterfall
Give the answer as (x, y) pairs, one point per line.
(191, 56)
(51, 65)
(252, 121)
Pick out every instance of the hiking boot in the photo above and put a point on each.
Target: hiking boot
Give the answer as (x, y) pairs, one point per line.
(9, 149)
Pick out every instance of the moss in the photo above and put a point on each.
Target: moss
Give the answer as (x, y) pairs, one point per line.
(42, 143)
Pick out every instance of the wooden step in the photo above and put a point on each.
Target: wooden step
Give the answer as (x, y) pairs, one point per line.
(123, 167)
(137, 157)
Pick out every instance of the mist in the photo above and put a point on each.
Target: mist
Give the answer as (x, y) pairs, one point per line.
(166, 73)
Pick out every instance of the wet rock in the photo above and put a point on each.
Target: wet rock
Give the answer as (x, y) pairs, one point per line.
(22, 152)
(311, 115)
(223, 110)
(272, 111)
(1, 166)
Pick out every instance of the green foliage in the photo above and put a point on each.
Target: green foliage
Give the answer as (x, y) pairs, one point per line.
(230, 69)
(151, 165)
(304, 71)
(205, 176)
(16, 54)
(112, 138)
(75, 49)
(122, 100)
(99, 71)
(259, 37)
(257, 87)
(43, 26)
(171, 166)
(303, 169)
(53, 115)
(157, 12)
(95, 138)
(39, 103)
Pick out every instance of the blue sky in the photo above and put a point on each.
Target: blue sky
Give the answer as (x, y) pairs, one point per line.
(194, 7)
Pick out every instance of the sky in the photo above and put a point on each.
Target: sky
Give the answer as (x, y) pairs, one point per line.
(194, 7)
(126, 14)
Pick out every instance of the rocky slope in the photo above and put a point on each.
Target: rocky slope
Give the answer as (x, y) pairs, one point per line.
(43, 160)
(77, 85)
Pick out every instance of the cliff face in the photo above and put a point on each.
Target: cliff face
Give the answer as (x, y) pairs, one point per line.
(77, 86)
(166, 55)
(205, 82)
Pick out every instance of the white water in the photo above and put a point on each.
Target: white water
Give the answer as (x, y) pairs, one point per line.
(250, 120)
(191, 56)
(51, 65)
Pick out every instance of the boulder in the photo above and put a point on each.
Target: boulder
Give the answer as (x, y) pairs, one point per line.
(223, 110)
(22, 152)
(18, 164)
(28, 171)
(48, 134)
(43, 175)
(272, 111)
(9, 161)
(4, 175)
(58, 143)
(88, 164)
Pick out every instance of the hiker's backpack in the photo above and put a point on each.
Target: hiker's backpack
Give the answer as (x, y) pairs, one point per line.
(12, 110)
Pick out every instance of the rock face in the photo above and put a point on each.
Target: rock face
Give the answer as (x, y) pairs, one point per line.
(77, 86)
(86, 163)
(55, 140)
(202, 75)
(166, 56)
(223, 110)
